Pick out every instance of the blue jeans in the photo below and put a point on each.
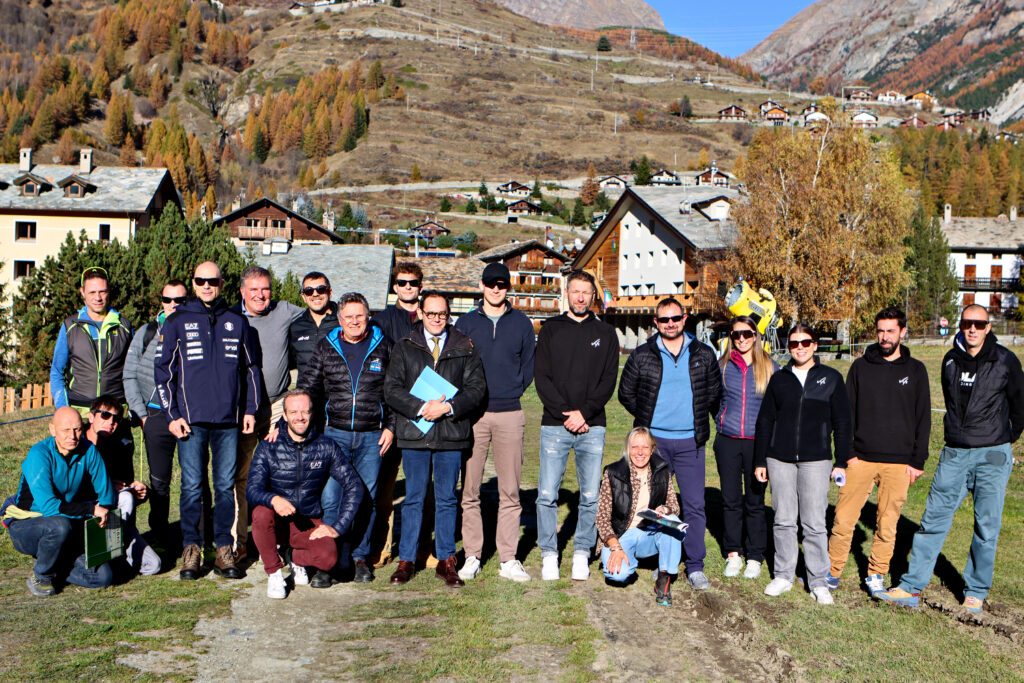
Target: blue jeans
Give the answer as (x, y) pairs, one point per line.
(640, 543)
(363, 453)
(985, 473)
(555, 443)
(447, 466)
(193, 457)
(56, 543)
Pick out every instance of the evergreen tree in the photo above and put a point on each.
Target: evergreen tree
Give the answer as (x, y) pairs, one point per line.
(602, 202)
(934, 285)
(685, 108)
(415, 176)
(536, 193)
(471, 206)
(446, 204)
(483, 189)
(578, 216)
(7, 346)
(642, 174)
(603, 44)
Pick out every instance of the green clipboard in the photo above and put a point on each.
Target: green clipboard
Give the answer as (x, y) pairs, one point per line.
(102, 544)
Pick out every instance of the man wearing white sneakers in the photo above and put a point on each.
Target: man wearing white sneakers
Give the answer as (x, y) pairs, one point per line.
(286, 482)
(504, 339)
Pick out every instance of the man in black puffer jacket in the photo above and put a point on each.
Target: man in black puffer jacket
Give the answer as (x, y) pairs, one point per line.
(435, 344)
(286, 481)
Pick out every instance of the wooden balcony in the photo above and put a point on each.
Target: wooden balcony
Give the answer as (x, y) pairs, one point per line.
(263, 233)
(985, 284)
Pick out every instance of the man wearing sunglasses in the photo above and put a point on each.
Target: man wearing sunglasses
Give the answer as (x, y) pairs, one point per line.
(505, 340)
(315, 323)
(207, 374)
(672, 385)
(983, 388)
(140, 390)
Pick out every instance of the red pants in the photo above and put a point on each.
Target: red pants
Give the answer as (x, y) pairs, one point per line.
(269, 530)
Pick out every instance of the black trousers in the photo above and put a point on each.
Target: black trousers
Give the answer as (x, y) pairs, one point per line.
(744, 523)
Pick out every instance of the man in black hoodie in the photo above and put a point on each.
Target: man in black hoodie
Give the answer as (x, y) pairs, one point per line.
(575, 369)
(891, 407)
(983, 386)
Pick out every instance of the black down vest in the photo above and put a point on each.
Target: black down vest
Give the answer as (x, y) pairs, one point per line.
(622, 490)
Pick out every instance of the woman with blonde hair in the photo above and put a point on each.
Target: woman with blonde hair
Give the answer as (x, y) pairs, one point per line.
(746, 369)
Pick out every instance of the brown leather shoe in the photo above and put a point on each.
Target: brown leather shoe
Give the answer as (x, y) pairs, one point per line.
(446, 572)
(404, 572)
(191, 559)
(225, 563)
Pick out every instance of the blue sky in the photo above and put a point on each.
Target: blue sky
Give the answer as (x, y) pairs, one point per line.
(730, 28)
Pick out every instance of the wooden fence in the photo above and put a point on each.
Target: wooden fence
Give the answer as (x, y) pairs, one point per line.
(31, 396)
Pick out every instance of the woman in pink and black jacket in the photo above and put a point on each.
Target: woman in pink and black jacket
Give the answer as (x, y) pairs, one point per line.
(746, 369)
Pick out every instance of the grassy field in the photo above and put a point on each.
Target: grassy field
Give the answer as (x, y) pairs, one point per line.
(493, 629)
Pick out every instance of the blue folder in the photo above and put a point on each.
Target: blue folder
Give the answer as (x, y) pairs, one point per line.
(429, 386)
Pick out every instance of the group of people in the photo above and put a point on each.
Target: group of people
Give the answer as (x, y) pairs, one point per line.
(313, 468)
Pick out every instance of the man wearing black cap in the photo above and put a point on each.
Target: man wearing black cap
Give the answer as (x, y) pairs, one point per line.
(504, 339)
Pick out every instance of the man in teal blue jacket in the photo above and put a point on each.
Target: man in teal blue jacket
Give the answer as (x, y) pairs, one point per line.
(45, 517)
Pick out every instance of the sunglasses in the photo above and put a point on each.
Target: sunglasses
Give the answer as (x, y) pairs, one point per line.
(736, 335)
(669, 319)
(173, 299)
(797, 343)
(107, 415)
(436, 315)
(407, 283)
(499, 284)
(319, 289)
(968, 323)
(202, 281)
(92, 272)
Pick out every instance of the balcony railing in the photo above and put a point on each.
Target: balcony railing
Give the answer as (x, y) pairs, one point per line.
(261, 233)
(986, 284)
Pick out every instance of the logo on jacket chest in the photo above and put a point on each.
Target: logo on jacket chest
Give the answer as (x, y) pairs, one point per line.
(228, 325)
(967, 379)
(596, 343)
(905, 381)
(821, 382)
(316, 465)
(376, 365)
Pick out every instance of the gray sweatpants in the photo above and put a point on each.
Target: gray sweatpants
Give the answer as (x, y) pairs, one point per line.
(800, 488)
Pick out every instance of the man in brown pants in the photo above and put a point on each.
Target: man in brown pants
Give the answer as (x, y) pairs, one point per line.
(505, 339)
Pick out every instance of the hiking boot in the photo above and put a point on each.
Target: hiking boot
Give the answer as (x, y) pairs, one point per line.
(663, 590)
(973, 604)
(733, 565)
(363, 572)
(833, 582)
(698, 581)
(191, 558)
(276, 587)
(470, 568)
(777, 587)
(224, 565)
(900, 597)
(549, 568)
(753, 569)
(321, 579)
(41, 587)
(874, 584)
(822, 595)
(513, 569)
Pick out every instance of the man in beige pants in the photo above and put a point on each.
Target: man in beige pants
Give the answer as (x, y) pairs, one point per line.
(505, 339)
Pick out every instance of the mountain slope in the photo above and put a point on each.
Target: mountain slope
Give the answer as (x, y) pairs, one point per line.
(587, 13)
(968, 52)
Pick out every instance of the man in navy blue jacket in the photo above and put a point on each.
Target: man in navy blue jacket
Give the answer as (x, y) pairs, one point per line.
(206, 372)
(286, 482)
(505, 341)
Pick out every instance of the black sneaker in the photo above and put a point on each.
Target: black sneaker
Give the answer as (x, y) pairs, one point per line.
(662, 589)
(41, 588)
(363, 572)
(321, 579)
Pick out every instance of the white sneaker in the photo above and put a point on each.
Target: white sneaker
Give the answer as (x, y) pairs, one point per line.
(777, 587)
(580, 567)
(875, 584)
(733, 565)
(513, 569)
(275, 586)
(823, 595)
(299, 575)
(549, 568)
(470, 569)
(753, 570)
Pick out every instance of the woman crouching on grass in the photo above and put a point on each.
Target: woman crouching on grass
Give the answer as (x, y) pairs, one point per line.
(746, 369)
(640, 481)
(804, 408)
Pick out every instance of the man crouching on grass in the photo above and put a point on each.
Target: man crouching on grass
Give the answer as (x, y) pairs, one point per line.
(45, 517)
(286, 481)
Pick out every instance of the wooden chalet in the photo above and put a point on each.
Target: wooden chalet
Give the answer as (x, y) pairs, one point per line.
(815, 118)
(865, 119)
(535, 269)
(612, 182)
(913, 122)
(946, 124)
(980, 114)
(1009, 136)
(767, 106)
(524, 207)
(892, 97)
(265, 219)
(732, 113)
(958, 118)
(514, 188)
(861, 95)
(776, 116)
(430, 230)
(714, 177)
(664, 177)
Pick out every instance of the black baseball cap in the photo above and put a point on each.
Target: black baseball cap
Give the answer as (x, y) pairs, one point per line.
(496, 272)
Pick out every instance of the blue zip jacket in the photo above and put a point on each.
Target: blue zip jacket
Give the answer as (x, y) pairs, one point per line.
(737, 415)
(50, 481)
(507, 350)
(208, 365)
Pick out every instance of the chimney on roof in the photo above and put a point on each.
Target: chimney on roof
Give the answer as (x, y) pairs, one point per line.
(236, 203)
(714, 167)
(947, 213)
(1013, 213)
(25, 160)
(85, 161)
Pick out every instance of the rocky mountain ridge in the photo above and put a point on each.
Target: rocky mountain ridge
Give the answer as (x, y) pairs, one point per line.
(587, 13)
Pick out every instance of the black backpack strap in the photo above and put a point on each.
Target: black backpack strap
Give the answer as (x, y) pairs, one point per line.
(148, 335)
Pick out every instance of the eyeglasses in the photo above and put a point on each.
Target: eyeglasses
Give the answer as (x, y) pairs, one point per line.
(92, 272)
(407, 283)
(107, 415)
(202, 281)
(665, 319)
(319, 289)
(499, 284)
(436, 315)
(736, 335)
(968, 323)
(173, 299)
(797, 343)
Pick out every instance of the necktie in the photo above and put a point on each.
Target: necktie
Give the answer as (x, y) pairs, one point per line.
(437, 348)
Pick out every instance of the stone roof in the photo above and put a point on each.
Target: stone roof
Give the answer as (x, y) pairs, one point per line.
(118, 189)
(350, 267)
(501, 251)
(984, 233)
(694, 226)
(450, 274)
